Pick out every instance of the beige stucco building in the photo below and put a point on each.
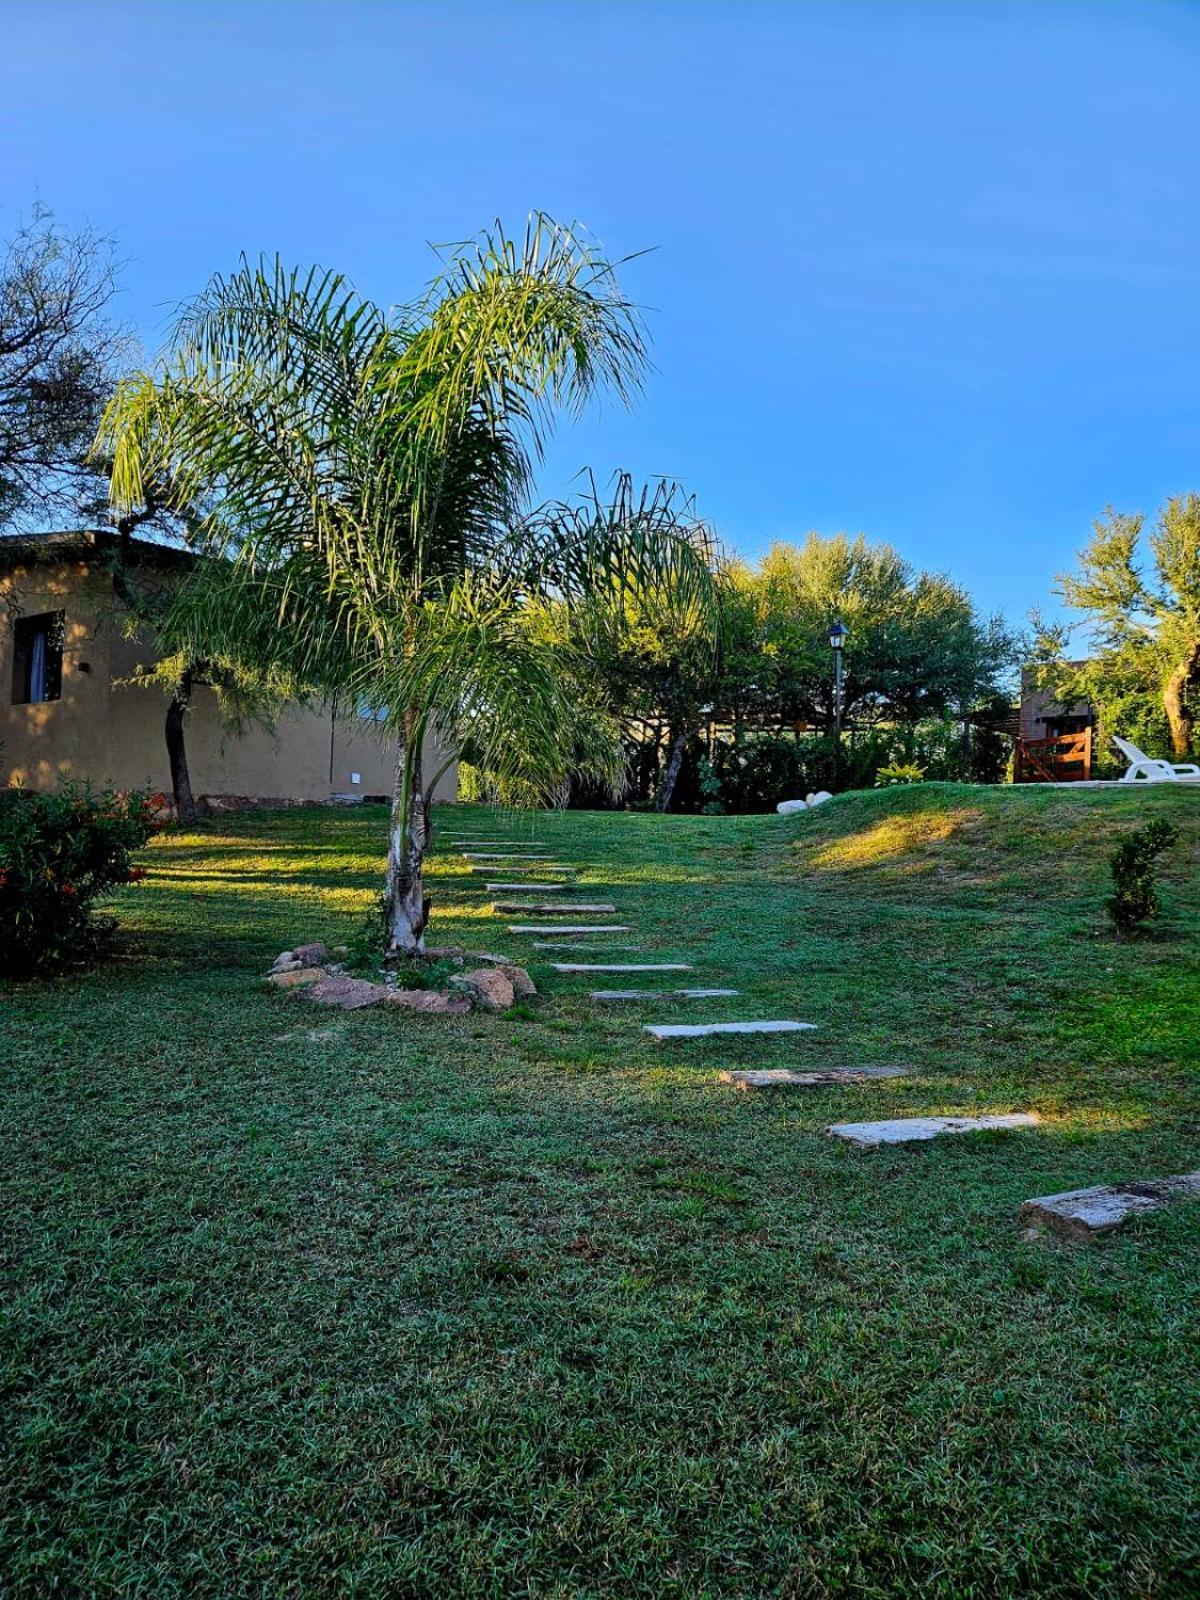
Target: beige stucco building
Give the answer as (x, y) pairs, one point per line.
(65, 709)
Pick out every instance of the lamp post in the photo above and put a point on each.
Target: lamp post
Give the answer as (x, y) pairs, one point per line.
(837, 638)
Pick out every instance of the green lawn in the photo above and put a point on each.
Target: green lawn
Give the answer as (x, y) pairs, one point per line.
(300, 1303)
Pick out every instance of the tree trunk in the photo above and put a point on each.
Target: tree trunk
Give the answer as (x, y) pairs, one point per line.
(181, 783)
(406, 908)
(1175, 705)
(671, 775)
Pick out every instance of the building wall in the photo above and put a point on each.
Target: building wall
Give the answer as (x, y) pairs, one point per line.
(111, 733)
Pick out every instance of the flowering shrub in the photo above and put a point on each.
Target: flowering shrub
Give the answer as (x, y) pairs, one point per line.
(898, 772)
(59, 854)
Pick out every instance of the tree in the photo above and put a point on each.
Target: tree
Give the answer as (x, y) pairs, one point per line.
(1143, 623)
(58, 360)
(915, 648)
(364, 477)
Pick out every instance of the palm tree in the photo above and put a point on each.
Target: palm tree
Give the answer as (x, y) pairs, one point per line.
(364, 479)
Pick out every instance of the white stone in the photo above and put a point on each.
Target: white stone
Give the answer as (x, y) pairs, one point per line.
(1087, 1213)
(785, 1078)
(904, 1130)
(569, 927)
(554, 908)
(819, 798)
(527, 888)
(619, 966)
(503, 855)
(580, 944)
(701, 1030)
(786, 807)
(659, 994)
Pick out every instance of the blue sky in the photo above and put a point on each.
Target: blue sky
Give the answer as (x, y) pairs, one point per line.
(926, 271)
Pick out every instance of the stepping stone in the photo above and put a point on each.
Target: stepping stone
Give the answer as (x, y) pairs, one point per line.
(533, 905)
(785, 1078)
(569, 927)
(602, 944)
(526, 888)
(621, 966)
(1090, 1213)
(905, 1130)
(659, 994)
(702, 1030)
(539, 866)
(504, 855)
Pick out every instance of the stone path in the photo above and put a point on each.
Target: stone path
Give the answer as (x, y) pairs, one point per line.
(905, 1130)
(1091, 1213)
(658, 994)
(785, 1078)
(621, 966)
(702, 1030)
(569, 927)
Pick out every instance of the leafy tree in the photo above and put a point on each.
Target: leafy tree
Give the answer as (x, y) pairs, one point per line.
(364, 478)
(1142, 619)
(59, 355)
(915, 648)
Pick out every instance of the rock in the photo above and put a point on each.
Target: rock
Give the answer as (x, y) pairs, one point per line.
(819, 798)
(1090, 1213)
(429, 1000)
(488, 987)
(296, 977)
(312, 955)
(569, 927)
(523, 985)
(622, 966)
(444, 952)
(786, 807)
(785, 1078)
(702, 1030)
(285, 961)
(348, 994)
(904, 1130)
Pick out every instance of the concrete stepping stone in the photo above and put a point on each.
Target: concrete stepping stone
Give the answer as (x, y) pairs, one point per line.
(527, 888)
(623, 966)
(600, 946)
(785, 1078)
(659, 994)
(539, 865)
(1091, 1213)
(569, 927)
(906, 1130)
(553, 908)
(503, 855)
(703, 1030)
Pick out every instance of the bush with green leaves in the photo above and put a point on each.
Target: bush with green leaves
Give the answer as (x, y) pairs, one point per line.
(1135, 900)
(59, 854)
(898, 772)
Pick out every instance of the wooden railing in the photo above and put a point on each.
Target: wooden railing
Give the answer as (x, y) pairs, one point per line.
(1067, 759)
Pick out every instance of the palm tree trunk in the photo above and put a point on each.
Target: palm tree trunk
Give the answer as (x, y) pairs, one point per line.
(186, 809)
(671, 775)
(1179, 717)
(405, 905)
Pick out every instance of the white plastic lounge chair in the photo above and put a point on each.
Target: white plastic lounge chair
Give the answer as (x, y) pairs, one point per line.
(1147, 769)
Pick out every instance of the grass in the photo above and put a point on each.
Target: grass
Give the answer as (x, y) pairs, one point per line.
(304, 1304)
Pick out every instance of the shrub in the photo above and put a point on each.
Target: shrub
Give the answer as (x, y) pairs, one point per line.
(59, 854)
(899, 772)
(1135, 901)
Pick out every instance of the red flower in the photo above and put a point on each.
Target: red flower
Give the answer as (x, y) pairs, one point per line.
(67, 888)
(136, 874)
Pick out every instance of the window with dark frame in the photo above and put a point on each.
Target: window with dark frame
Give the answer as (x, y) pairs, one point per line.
(38, 658)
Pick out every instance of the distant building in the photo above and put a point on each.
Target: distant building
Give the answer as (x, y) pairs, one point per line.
(65, 711)
(1043, 717)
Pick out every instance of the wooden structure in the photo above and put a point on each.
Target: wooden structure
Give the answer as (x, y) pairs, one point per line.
(1065, 759)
